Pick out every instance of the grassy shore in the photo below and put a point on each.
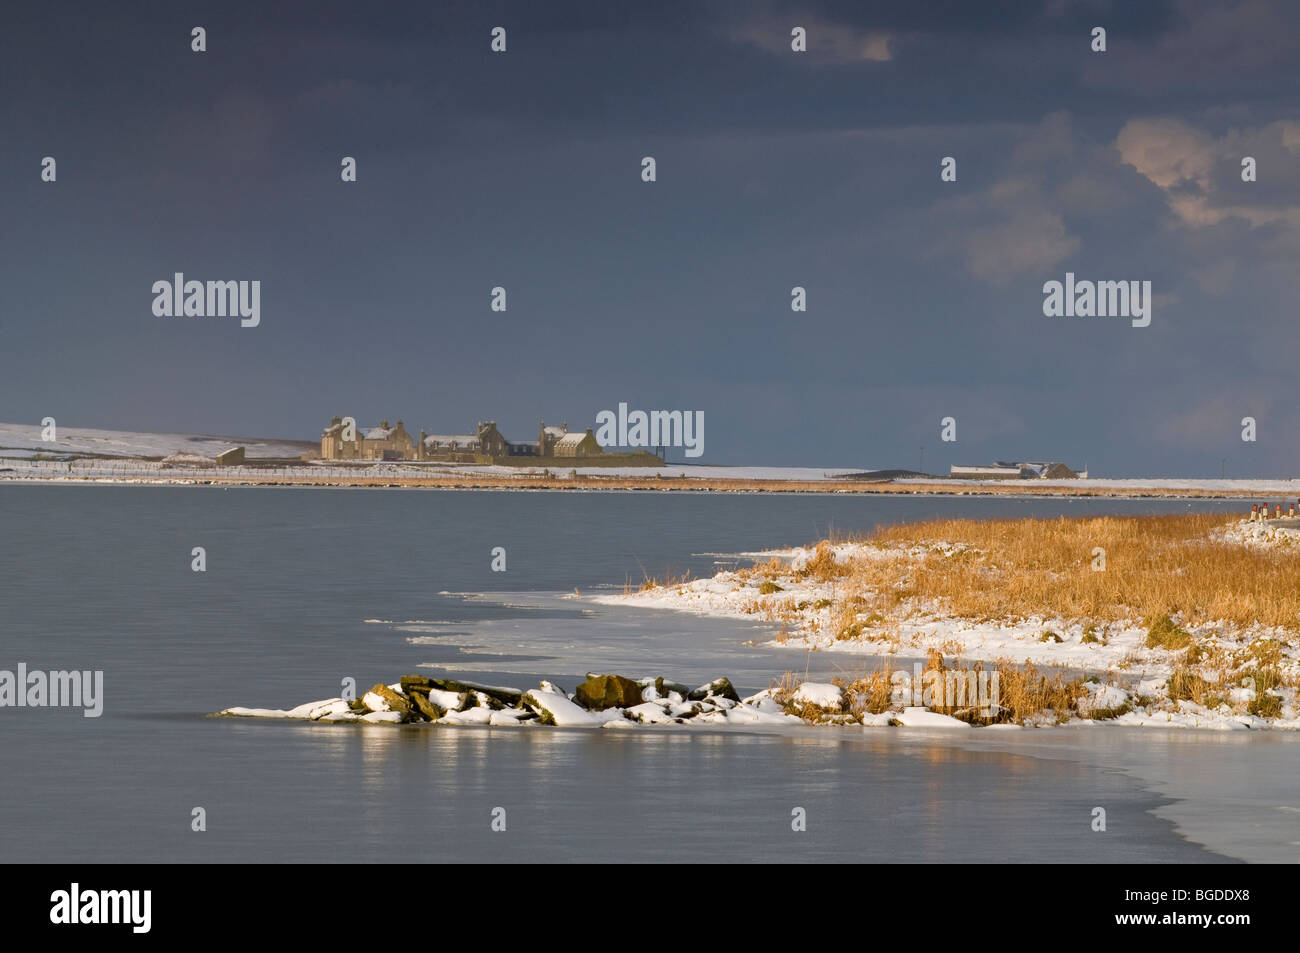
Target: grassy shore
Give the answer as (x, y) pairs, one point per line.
(1194, 616)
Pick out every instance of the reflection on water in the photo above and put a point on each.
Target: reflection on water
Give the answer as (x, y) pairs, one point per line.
(373, 793)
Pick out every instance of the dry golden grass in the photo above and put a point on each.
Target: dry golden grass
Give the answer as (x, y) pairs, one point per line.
(1155, 567)
(1023, 693)
(870, 694)
(1197, 596)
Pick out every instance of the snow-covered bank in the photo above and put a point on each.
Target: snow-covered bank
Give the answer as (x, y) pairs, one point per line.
(1124, 671)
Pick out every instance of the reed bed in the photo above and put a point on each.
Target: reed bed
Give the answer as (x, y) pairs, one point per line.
(1105, 569)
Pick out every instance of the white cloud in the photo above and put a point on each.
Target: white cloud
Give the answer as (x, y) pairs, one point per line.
(1194, 169)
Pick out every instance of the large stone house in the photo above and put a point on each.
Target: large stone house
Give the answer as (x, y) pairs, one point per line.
(337, 443)
(548, 437)
(486, 440)
(340, 442)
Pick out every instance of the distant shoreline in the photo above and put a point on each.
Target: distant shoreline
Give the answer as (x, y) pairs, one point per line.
(1132, 489)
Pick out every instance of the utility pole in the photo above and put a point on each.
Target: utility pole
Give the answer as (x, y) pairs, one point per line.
(922, 469)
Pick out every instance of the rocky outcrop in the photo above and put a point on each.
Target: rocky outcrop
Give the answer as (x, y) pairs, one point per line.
(602, 700)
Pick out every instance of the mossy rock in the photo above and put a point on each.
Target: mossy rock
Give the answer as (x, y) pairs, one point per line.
(599, 692)
(427, 708)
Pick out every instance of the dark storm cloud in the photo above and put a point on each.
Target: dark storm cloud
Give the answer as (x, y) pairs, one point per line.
(776, 169)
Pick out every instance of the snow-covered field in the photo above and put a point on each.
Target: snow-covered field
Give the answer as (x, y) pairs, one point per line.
(21, 443)
(130, 471)
(24, 440)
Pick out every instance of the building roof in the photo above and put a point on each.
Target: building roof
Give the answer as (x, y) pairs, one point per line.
(460, 439)
(571, 440)
(555, 431)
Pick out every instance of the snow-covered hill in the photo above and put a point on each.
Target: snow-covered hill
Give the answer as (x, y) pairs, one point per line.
(24, 440)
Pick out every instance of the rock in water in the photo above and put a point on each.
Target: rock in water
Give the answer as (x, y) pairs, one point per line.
(721, 687)
(599, 692)
(394, 701)
(554, 709)
(427, 708)
(510, 697)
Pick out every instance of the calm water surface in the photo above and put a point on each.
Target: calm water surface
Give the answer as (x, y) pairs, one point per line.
(304, 587)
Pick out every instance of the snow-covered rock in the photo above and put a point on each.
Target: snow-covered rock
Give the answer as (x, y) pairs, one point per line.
(558, 710)
(924, 718)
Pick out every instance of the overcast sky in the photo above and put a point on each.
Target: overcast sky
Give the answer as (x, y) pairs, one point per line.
(522, 169)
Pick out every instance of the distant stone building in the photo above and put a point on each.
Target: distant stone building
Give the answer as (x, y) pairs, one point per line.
(231, 458)
(548, 437)
(578, 445)
(339, 442)
(485, 445)
(485, 441)
(387, 443)
(433, 446)
(490, 440)
(335, 443)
